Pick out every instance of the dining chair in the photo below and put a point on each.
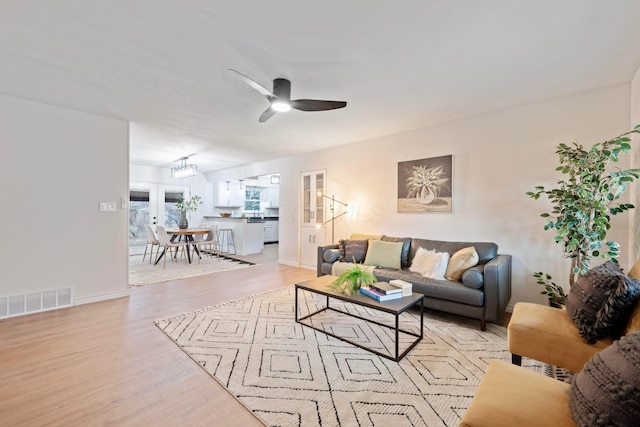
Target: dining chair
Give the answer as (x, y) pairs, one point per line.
(152, 241)
(210, 243)
(168, 245)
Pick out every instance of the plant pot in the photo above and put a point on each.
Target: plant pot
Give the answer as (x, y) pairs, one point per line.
(183, 223)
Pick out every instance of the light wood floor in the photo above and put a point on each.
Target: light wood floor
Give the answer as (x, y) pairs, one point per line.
(108, 364)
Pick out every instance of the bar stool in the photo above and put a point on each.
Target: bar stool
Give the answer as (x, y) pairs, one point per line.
(226, 234)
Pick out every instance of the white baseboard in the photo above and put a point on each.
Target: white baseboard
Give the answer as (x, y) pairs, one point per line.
(98, 298)
(288, 263)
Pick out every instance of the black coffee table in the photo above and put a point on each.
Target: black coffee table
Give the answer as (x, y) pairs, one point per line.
(322, 285)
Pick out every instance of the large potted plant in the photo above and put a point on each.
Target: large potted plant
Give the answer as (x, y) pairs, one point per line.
(185, 206)
(583, 203)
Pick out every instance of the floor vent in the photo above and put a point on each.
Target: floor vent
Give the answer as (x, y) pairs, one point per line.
(17, 305)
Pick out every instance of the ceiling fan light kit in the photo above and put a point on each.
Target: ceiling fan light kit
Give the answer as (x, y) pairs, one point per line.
(280, 99)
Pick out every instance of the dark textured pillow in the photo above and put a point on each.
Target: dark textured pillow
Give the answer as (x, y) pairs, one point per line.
(350, 249)
(607, 390)
(599, 299)
(331, 255)
(474, 277)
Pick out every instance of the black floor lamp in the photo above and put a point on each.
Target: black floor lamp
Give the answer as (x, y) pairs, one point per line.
(332, 213)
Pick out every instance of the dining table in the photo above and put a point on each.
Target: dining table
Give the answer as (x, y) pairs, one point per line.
(187, 234)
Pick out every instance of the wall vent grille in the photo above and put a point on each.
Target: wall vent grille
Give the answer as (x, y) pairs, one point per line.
(16, 305)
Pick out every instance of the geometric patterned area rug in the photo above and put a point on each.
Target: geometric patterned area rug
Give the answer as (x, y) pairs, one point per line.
(144, 273)
(288, 374)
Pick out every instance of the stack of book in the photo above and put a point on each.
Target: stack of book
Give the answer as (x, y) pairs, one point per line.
(382, 291)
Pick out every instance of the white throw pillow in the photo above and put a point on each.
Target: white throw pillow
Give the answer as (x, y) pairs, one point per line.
(430, 264)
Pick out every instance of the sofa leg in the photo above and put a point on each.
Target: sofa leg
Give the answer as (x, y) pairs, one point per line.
(516, 359)
(483, 324)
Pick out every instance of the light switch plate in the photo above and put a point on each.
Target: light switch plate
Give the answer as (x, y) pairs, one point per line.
(107, 206)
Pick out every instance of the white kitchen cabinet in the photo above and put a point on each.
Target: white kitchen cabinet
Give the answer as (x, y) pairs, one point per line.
(312, 202)
(269, 232)
(228, 195)
(274, 197)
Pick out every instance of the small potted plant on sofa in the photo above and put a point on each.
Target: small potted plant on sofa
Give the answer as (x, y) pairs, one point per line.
(350, 281)
(583, 204)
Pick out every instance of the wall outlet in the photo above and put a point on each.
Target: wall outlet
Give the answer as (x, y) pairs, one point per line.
(107, 206)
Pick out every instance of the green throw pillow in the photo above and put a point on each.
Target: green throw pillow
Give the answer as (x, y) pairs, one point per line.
(384, 254)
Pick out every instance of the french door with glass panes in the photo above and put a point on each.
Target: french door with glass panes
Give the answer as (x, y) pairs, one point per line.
(152, 204)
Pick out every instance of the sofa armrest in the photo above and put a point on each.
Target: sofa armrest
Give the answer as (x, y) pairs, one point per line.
(320, 260)
(497, 287)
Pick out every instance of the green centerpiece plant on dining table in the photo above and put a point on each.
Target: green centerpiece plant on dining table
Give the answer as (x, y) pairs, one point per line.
(185, 206)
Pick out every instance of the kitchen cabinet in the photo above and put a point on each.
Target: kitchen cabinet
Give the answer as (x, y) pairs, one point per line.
(269, 232)
(228, 195)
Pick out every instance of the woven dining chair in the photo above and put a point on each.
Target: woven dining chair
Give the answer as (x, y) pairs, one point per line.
(168, 245)
(152, 241)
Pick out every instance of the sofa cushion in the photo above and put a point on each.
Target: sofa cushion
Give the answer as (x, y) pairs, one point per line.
(430, 263)
(406, 246)
(383, 254)
(362, 236)
(331, 255)
(600, 298)
(607, 390)
(474, 277)
(351, 250)
(461, 261)
(486, 250)
(432, 288)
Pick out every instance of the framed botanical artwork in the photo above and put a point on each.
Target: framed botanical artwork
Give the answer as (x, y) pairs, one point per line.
(425, 185)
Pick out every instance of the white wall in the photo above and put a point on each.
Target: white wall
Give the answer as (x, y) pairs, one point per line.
(58, 164)
(498, 157)
(634, 225)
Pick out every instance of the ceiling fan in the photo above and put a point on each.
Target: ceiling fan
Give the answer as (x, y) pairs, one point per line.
(280, 98)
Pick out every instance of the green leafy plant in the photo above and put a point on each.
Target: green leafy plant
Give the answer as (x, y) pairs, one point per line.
(585, 200)
(188, 205)
(425, 183)
(555, 293)
(351, 280)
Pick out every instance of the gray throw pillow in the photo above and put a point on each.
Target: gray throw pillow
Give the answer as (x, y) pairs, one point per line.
(474, 277)
(353, 249)
(607, 390)
(331, 255)
(599, 299)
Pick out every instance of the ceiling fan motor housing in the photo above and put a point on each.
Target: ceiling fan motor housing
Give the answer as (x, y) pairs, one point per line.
(282, 88)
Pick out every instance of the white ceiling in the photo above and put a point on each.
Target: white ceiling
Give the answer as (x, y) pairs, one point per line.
(400, 65)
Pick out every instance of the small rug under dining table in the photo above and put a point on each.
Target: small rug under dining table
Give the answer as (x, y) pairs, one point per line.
(291, 375)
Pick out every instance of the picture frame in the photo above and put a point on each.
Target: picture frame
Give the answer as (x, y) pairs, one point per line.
(425, 185)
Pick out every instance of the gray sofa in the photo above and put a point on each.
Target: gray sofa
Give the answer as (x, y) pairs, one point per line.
(484, 298)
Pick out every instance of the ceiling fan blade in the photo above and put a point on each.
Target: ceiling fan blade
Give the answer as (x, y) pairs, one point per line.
(316, 104)
(266, 115)
(256, 86)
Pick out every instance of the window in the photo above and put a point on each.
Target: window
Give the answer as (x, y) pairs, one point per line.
(171, 213)
(251, 199)
(138, 217)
